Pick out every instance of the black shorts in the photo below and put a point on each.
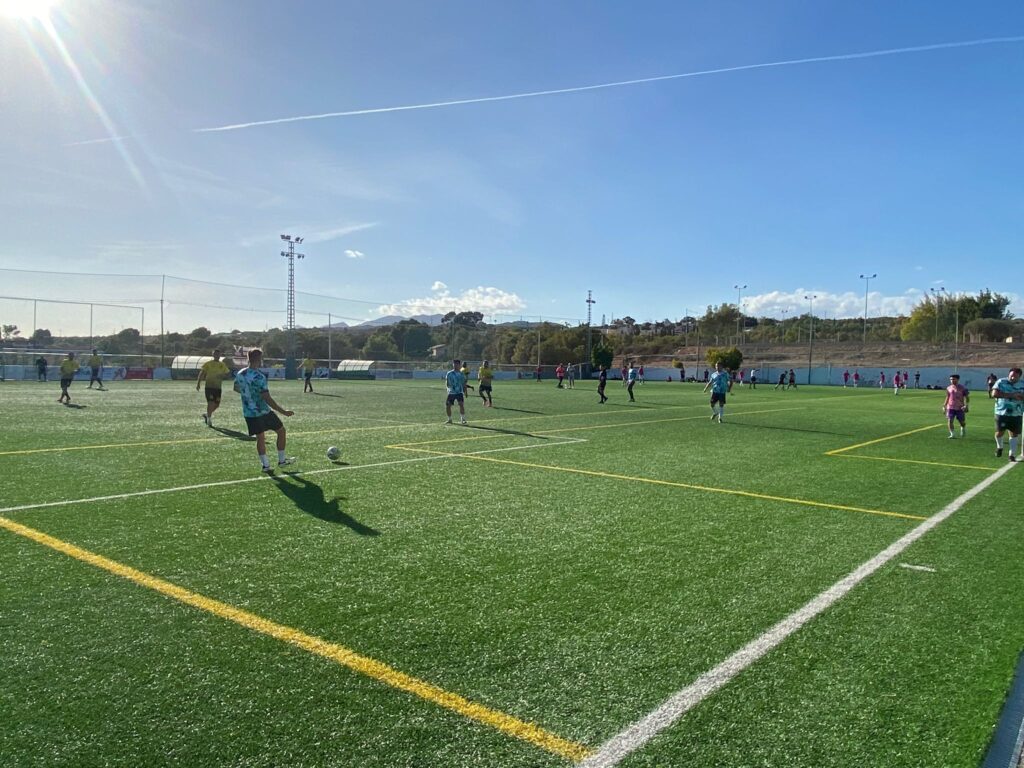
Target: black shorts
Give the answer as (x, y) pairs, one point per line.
(452, 399)
(1012, 423)
(309, 375)
(485, 388)
(65, 383)
(213, 395)
(268, 422)
(717, 398)
(96, 373)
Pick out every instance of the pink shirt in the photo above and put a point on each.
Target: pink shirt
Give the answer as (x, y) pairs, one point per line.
(956, 397)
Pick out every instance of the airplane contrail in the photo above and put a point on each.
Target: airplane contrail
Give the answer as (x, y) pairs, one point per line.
(617, 84)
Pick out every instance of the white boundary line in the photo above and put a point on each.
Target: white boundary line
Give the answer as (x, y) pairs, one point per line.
(635, 736)
(263, 477)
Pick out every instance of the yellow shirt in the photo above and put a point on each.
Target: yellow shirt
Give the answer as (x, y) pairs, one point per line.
(68, 368)
(465, 371)
(95, 361)
(216, 372)
(485, 375)
(309, 364)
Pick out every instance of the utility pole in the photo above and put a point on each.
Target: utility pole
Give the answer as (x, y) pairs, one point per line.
(590, 304)
(937, 293)
(291, 255)
(810, 349)
(867, 281)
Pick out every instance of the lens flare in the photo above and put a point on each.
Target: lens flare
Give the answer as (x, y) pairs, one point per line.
(27, 9)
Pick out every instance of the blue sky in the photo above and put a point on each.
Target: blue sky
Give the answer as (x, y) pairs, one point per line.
(659, 196)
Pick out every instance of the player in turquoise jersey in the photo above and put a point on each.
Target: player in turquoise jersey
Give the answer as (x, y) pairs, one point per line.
(720, 384)
(456, 385)
(258, 409)
(1009, 395)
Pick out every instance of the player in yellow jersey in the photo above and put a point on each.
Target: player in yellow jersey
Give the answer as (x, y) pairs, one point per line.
(464, 370)
(308, 368)
(68, 369)
(213, 372)
(96, 368)
(486, 376)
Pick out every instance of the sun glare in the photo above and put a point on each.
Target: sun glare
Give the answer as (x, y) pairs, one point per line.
(27, 9)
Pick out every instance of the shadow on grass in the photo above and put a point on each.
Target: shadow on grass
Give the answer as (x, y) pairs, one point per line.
(234, 433)
(323, 394)
(309, 497)
(506, 431)
(517, 410)
(76, 406)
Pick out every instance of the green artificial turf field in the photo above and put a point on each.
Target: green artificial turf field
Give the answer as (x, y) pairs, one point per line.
(517, 592)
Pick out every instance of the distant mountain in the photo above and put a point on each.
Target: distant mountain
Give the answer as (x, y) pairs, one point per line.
(339, 324)
(395, 319)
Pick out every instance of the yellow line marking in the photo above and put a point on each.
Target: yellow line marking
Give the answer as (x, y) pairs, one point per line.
(337, 653)
(915, 461)
(837, 451)
(671, 484)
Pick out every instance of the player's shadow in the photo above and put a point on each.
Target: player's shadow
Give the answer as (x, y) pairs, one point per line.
(325, 394)
(787, 429)
(234, 433)
(517, 410)
(506, 431)
(76, 406)
(309, 497)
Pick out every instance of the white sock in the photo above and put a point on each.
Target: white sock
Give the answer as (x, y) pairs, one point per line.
(281, 456)
(264, 460)
(1013, 446)
(999, 443)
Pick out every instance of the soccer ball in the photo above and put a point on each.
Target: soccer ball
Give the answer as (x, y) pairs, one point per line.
(333, 453)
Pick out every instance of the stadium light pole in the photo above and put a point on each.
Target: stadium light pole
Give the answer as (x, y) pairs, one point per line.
(867, 281)
(810, 349)
(784, 311)
(739, 309)
(937, 293)
(291, 255)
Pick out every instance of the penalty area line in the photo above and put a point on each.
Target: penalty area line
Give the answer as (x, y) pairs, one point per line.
(637, 735)
(263, 478)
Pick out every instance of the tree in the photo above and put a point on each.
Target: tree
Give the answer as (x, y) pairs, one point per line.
(200, 333)
(988, 329)
(380, 346)
(602, 354)
(730, 358)
(9, 332)
(42, 338)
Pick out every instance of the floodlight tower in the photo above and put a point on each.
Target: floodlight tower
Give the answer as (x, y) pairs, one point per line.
(867, 281)
(810, 348)
(739, 309)
(291, 255)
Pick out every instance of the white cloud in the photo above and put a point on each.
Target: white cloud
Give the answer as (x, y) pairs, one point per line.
(779, 304)
(354, 254)
(486, 300)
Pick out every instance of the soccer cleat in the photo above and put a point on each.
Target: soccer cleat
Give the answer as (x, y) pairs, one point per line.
(287, 460)
(268, 470)
(1013, 458)
(447, 421)
(951, 435)
(206, 420)
(999, 452)
(713, 417)
(462, 422)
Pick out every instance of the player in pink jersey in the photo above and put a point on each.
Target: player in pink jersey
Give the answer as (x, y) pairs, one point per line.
(955, 407)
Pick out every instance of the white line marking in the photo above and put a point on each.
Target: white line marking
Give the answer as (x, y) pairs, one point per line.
(261, 477)
(635, 736)
(910, 567)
